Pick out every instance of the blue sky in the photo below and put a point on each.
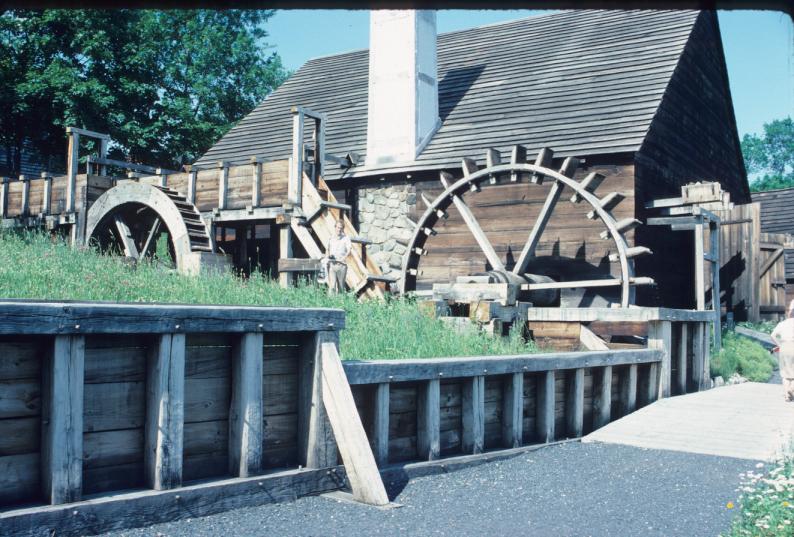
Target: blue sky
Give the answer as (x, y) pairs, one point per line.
(759, 50)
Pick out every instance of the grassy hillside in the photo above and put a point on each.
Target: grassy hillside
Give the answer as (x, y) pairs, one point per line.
(34, 266)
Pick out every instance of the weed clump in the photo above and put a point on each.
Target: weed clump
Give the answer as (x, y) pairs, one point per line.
(743, 356)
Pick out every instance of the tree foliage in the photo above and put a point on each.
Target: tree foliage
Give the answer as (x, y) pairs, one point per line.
(164, 84)
(771, 155)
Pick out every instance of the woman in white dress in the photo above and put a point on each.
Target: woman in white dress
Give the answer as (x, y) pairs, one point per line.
(783, 334)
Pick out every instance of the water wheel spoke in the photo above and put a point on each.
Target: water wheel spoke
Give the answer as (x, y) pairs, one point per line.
(150, 239)
(528, 251)
(127, 240)
(479, 235)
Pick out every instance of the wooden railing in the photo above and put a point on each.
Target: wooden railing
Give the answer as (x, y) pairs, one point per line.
(431, 408)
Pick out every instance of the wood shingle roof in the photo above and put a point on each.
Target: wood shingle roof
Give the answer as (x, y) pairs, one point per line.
(581, 82)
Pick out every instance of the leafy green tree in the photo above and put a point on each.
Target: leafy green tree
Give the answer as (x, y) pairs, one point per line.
(771, 154)
(164, 84)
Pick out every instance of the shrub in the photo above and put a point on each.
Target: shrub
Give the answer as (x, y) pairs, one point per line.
(743, 356)
(766, 505)
(34, 266)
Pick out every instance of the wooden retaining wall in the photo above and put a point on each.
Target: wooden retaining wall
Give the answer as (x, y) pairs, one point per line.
(96, 398)
(440, 407)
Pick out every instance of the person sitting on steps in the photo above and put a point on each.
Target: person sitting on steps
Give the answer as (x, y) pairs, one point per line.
(339, 248)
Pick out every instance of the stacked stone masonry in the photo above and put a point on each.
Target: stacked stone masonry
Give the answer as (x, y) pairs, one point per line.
(383, 218)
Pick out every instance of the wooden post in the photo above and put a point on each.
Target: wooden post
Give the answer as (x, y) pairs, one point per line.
(191, 186)
(545, 403)
(294, 190)
(380, 420)
(315, 436)
(513, 411)
(246, 413)
(103, 154)
(660, 337)
(25, 209)
(337, 399)
(163, 177)
(62, 420)
(46, 202)
(428, 420)
(71, 169)
(574, 412)
(602, 396)
(700, 275)
(628, 390)
(223, 183)
(165, 403)
(319, 145)
(256, 181)
(681, 359)
(651, 385)
(285, 252)
(4, 196)
(473, 410)
(714, 236)
(698, 355)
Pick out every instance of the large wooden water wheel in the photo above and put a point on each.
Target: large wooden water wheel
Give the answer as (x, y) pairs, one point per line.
(538, 288)
(131, 217)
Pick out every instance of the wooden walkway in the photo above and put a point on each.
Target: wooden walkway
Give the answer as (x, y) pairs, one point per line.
(746, 421)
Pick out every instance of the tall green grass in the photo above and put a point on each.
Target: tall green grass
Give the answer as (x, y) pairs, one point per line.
(743, 356)
(32, 265)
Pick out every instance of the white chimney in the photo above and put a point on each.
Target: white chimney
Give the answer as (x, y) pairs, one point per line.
(403, 86)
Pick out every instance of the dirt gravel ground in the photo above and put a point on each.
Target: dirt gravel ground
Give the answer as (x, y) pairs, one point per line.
(564, 490)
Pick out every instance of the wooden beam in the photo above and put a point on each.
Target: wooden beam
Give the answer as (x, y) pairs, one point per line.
(246, 428)
(71, 170)
(681, 360)
(591, 341)
(528, 251)
(473, 412)
(315, 435)
(46, 204)
(165, 409)
(628, 390)
(716, 305)
(4, 196)
(513, 410)
(602, 396)
(574, 415)
(256, 181)
(428, 420)
(380, 427)
(362, 472)
(107, 318)
(150, 237)
(700, 275)
(86, 132)
(660, 337)
(192, 176)
(125, 235)
(285, 251)
(412, 370)
(62, 420)
(223, 184)
(25, 204)
(294, 185)
(477, 232)
(545, 406)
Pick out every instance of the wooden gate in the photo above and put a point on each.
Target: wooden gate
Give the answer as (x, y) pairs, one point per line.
(740, 236)
(772, 276)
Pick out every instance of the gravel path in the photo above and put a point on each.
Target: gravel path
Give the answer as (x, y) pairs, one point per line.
(571, 489)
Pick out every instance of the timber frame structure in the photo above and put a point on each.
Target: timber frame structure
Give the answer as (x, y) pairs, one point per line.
(280, 213)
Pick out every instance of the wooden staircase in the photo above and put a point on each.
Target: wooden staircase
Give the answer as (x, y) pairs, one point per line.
(322, 211)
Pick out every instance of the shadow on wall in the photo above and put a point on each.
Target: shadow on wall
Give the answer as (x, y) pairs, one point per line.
(453, 87)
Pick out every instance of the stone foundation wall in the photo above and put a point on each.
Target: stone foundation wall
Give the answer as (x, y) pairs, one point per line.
(383, 218)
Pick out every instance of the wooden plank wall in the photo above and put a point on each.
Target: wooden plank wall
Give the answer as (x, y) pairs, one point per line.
(740, 232)
(239, 185)
(114, 403)
(772, 285)
(88, 190)
(20, 418)
(114, 410)
(570, 247)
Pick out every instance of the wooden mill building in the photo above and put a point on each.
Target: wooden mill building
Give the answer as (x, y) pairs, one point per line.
(777, 216)
(641, 97)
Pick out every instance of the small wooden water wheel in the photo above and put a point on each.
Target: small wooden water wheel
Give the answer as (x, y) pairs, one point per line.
(537, 288)
(129, 219)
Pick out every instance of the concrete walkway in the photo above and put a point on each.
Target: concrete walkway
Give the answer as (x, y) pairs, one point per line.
(745, 421)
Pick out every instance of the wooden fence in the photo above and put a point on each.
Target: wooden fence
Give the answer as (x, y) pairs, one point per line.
(99, 397)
